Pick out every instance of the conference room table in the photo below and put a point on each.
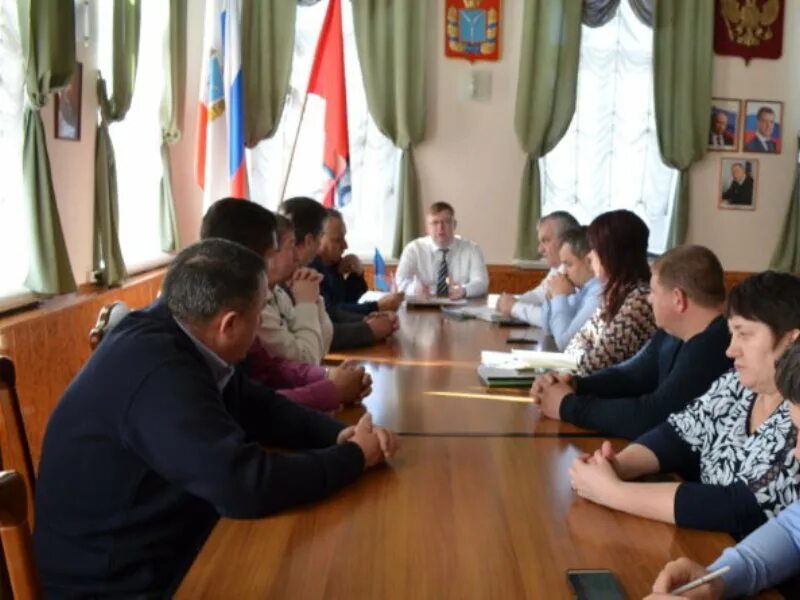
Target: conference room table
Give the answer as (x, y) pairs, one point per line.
(476, 504)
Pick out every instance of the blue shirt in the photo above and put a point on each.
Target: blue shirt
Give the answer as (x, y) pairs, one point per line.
(768, 556)
(563, 316)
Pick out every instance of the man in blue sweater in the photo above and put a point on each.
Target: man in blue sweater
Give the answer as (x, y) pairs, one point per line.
(160, 434)
(771, 554)
(684, 357)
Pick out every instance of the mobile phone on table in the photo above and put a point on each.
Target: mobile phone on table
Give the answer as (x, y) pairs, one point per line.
(595, 584)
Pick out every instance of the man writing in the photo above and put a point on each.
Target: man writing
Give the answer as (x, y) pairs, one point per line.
(442, 264)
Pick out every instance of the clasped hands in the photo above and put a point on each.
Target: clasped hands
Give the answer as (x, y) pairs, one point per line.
(377, 443)
(455, 291)
(549, 390)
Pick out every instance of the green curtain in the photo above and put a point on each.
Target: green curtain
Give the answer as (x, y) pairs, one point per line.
(267, 50)
(548, 78)
(683, 33)
(108, 261)
(47, 32)
(787, 252)
(391, 39)
(172, 102)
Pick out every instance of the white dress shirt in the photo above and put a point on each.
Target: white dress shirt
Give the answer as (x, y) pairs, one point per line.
(465, 266)
(528, 306)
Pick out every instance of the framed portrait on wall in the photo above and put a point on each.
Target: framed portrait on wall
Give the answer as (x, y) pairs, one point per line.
(68, 108)
(738, 183)
(763, 126)
(723, 125)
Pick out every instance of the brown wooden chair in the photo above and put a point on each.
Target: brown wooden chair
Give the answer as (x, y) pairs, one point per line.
(107, 319)
(15, 534)
(16, 454)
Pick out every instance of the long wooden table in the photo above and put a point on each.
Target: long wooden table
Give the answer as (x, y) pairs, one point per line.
(426, 382)
(477, 503)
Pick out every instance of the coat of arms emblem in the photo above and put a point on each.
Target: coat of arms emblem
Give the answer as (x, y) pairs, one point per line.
(472, 29)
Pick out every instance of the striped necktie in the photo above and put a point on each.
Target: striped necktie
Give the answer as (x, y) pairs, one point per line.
(441, 277)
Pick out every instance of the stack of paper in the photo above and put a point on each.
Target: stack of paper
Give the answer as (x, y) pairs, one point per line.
(519, 368)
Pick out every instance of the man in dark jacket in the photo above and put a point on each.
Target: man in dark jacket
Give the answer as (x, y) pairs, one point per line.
(678, 365)
(160, 433)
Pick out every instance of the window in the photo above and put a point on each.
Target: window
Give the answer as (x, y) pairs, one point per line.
(137, 138)
(609, 157)
(13, 220)
(370, 214)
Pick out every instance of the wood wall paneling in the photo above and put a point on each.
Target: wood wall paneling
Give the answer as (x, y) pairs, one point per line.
(50, 344)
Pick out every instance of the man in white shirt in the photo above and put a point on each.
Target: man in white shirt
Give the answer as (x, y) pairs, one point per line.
(442, 264)
(550, 230)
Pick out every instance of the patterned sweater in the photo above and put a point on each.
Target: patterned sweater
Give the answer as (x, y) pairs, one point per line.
(747, 477)
(600, 344)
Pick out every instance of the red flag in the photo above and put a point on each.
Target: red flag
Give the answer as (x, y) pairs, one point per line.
(327, 81)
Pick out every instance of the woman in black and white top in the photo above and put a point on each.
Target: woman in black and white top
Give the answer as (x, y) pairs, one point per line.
(734, 445)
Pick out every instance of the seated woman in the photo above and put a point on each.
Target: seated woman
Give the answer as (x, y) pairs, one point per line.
(734, 445)
(573, 296)
(768, 556)
(624, 320)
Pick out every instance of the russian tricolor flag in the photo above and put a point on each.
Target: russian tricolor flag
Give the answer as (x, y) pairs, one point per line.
(220, 161)
(327, 81)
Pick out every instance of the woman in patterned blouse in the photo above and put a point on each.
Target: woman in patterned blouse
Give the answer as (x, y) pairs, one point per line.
(734, 445)
(624, 321)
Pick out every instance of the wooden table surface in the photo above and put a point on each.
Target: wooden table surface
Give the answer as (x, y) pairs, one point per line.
(451, 518)
(426, 381)
(476, 504)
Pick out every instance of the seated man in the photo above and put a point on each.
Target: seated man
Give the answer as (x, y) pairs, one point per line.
(297, 329)
(442, 264)
(572, 296)
(551, 230)
(254, 227)
(768, 556)
(734, 446)
(684, 357)
(343, 277)
(160, 434)
(350, 330)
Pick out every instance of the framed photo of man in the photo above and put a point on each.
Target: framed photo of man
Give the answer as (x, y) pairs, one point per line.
(68, 108)
(763, 126)
(738, 179)
(723, 126)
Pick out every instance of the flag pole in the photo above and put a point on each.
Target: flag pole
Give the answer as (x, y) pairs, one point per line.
(294, 147)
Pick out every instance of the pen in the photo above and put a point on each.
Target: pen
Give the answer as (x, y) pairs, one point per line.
(701, 580)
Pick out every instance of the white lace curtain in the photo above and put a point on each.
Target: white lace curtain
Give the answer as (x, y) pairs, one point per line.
(609, 157)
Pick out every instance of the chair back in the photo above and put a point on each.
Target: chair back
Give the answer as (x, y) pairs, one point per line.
(15, 534)
(108, 318)
(14, 449)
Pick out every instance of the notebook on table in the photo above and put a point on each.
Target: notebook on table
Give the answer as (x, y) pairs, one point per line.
(519, 368)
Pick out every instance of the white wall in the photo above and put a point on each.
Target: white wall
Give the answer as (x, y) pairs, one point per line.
(471, 157)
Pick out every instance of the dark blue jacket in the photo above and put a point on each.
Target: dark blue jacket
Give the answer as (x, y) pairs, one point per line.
(143, 453)
(340, 293)
(632, 397)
